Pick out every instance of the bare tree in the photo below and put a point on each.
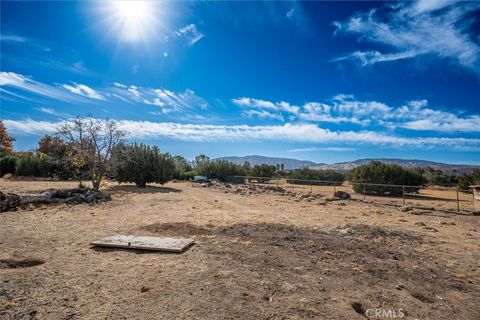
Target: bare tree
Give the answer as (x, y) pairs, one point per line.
(91, 142)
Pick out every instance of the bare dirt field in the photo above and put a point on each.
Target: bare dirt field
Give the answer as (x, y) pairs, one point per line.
(258, 255)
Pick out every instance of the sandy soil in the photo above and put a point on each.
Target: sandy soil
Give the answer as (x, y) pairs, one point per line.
(257, 256)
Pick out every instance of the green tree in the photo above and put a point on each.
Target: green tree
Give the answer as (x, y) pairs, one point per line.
(142, 164)
(377, 172)
(221, 169)
(467, 180)
(263, 170)
(313, 174)
(8, 164)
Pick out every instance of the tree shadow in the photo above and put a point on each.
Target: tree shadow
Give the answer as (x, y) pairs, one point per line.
(147, 189)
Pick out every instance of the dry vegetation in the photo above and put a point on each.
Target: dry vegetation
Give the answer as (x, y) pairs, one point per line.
(258, 255)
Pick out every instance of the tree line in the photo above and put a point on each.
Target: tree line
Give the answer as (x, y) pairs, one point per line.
(93, 149)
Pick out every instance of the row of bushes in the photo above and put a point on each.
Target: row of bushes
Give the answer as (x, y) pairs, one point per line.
(36, 165)
(143, 164)
(296, 176)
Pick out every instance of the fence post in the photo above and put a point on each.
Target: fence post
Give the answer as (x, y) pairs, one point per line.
(403, 194)
(311, 186)
(458, 201)
(277, 181)
(364, 191)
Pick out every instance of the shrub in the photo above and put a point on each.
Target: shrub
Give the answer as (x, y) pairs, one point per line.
(182, 166)
(467, 180)
(142, 164)
(312, 174)
(188, 175)
(263, 170)
(438, 178)
(381, 173)
(32, 165)
(220, 170)
(8, 164)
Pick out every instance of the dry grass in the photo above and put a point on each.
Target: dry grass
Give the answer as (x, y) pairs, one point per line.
(257, 256)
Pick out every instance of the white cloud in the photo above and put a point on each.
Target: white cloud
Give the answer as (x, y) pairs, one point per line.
(18, 81)
(83, 90)
(264, 104)
(414, 115)
(334, 149)
(167, 100)
(290, 13)
(307, 133)
(191, 33)
(12, 38)
(412, 29)
(53, 112)
(264, 115)
(31, 127)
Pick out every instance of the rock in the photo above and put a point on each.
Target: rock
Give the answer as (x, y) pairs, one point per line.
(70, 196)
(9, 201)
(406, 209)
(421, 223)
(342, 195)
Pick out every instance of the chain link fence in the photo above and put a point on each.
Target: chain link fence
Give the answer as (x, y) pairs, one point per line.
(449, 199)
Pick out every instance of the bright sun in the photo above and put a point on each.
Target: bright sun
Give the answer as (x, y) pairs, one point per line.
(132, 20)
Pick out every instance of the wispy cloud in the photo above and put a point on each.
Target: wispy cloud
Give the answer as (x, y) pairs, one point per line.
(342, 108)
(12, 38)
(334, 149)
(266, 109)
(83, 90)
(262, 114)
(191, 33)
(54, 112)
(307, 133)
(18, 81)
(165, 99)
(438, 27)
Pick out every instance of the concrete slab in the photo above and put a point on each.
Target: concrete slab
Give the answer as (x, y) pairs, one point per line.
(144, 243)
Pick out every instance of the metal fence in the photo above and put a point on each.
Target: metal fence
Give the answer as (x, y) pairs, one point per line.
(439, 198)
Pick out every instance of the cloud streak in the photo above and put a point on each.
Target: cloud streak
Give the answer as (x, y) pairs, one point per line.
(307, 133)
(439, 28)
(190, 33)
(83, 90)
(18, 81)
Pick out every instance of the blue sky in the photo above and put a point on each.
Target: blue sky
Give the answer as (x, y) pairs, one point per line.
(323, 81)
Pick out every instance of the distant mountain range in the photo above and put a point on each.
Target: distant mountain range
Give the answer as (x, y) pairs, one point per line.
(291, 164)
(445, 167)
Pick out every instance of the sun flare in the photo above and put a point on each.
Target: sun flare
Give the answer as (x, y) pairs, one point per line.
(133, 20)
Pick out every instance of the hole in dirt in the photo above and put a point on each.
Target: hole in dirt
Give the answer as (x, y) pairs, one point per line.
(16, 264)
(359, 308)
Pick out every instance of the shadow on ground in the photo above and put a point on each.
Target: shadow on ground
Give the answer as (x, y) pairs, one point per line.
(147, 189)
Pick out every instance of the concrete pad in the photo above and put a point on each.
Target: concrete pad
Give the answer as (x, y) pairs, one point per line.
(144, 243)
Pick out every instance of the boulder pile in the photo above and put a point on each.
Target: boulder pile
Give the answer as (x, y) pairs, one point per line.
(11, 201)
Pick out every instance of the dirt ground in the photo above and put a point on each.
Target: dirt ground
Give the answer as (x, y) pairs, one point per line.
(256, 256)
